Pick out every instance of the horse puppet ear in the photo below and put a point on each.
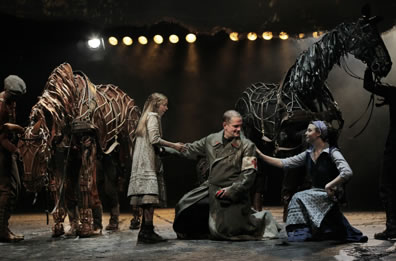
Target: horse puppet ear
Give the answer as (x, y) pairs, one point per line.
(375, 19)
(366, 14)
(366, 11)
(36, 127)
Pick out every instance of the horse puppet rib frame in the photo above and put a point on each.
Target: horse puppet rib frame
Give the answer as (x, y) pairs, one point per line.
(74, 115)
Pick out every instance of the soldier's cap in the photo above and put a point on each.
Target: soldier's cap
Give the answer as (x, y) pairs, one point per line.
(14, 85)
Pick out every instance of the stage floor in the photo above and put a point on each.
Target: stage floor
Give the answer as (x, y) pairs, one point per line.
(121, 245)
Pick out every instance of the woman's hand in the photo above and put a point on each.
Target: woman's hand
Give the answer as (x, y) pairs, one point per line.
(331, 188)
(180, 146)
(331, 191)
(270, 160)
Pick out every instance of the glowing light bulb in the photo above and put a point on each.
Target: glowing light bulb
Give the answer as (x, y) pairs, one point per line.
(173, 38)
(94, 43)
(112, 40)
(252, 36)
(267, 35)
(283, 35)
(158, 39)
(142, 40)
(190, 38)
(234, 36)
(317, 34)
(127, 40)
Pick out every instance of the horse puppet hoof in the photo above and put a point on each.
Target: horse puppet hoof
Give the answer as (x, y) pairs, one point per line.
(58, 230)
(85, 230)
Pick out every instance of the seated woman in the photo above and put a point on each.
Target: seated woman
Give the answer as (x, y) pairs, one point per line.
(314, 214)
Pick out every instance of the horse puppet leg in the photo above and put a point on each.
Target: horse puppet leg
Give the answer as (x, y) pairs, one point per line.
(87, 184)
(97, 209)
(55, 184)
(59, 214)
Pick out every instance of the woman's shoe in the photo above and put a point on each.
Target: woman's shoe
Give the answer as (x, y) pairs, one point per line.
(148, 236)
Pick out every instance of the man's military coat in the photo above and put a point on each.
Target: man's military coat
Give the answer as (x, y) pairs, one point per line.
(232, 166)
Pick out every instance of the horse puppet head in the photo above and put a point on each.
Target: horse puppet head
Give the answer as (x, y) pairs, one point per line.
(35, 153)
(365, 43)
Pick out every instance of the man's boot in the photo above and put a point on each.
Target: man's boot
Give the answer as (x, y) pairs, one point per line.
(135, 221)
(388, 234)
(114, 217)
(148, 236)
(390, 231)
(97, 220)
(5, 234)
(73, 219)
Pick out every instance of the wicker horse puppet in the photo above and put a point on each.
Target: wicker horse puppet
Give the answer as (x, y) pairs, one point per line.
(72, 122)
(276, 115)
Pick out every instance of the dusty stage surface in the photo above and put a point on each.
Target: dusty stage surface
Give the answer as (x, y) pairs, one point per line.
(121, 245)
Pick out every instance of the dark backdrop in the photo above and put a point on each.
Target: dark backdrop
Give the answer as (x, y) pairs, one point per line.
(201, 80)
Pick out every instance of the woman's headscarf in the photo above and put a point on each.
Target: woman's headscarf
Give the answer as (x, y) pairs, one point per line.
(321, 126)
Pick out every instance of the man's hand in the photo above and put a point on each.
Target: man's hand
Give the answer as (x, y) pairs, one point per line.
(221, 193)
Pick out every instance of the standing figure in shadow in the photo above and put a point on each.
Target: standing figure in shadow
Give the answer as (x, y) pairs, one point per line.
(388, 174)
(10, 182)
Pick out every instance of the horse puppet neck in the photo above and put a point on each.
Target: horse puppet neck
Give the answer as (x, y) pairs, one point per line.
(307, 76)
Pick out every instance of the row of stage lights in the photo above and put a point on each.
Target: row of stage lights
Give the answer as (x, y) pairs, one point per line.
(191, 38)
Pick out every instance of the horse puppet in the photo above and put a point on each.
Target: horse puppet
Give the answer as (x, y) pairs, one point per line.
(276, 115)
(71, 124)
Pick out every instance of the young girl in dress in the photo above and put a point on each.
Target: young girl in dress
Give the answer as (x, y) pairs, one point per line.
(146, 185)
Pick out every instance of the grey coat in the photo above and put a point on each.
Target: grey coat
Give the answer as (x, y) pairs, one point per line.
(232, 166)
(147, 171)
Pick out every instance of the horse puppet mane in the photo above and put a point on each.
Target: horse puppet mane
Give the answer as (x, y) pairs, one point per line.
(307, 76)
